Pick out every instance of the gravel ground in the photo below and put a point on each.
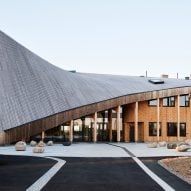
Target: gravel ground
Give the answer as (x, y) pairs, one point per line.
(180, 166)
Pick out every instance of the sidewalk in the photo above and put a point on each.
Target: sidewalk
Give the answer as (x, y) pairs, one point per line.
(74, 150)
(96, 150)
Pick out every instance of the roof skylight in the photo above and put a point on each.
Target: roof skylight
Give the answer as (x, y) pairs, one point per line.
(156, 81)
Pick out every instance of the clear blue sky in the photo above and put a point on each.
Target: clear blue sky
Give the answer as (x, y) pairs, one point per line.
(104, 36)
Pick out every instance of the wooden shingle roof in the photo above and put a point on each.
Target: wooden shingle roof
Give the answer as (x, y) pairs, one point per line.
(31, 88)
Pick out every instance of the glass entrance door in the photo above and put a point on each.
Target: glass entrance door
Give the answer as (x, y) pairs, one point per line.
(131, 132)
(102, 132)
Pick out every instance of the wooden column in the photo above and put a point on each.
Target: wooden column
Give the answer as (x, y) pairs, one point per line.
(118, 124)
(71, 131)
(103, 125)
(110, 124)
(95, 128)
(43, 135)
(158, 120)
(136, 121)
(178, 118)
(83, 128)
(2, 138)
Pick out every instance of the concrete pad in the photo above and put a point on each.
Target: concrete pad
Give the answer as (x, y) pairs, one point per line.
(141, 150)
(74, 150)
(96, 150)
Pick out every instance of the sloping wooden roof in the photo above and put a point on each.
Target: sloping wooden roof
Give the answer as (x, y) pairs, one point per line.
(31, 88)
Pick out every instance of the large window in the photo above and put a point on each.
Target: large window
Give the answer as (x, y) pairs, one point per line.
(169, 101)
(184, 101)
(183, 129)
(152, 102)
(153, 129)
(172, 129)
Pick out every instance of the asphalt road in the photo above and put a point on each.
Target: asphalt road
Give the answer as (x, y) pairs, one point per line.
(19, 172)
(81, 174)
(101, 174)
(169, 178)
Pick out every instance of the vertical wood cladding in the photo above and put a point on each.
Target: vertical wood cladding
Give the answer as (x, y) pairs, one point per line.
(145, 114)
(148, 114)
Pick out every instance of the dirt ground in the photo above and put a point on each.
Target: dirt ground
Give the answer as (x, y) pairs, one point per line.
(180, 166)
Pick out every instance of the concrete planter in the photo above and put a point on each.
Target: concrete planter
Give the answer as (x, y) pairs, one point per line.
(152, 145)
(171, 146)
(50, 143)
(38, 149)
(20, 146)
(41, 144)
(182, 148)
(162, 144)
(33, 143)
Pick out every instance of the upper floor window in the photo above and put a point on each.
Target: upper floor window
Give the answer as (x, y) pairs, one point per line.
(152, 102)
(184, 101)
(169, 101)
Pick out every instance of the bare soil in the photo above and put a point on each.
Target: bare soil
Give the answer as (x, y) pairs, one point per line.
(180, 166)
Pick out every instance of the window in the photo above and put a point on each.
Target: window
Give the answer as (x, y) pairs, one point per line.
(184, 101)
(153, 129)
(183, 129)
(172, 129)
(169, 101)
(152, 102)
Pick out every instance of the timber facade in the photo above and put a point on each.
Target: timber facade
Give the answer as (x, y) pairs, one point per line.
(41, 101)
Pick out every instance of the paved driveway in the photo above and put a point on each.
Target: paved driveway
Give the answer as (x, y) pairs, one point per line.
(17, 173)
(103, 174)
(90, 167)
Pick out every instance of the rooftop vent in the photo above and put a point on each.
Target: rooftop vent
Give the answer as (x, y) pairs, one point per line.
(187, 78)
(156, 81)
(164, 76)
(72, 71)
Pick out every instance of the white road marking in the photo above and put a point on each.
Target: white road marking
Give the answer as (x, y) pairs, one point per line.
(43, 180)
(158, 180)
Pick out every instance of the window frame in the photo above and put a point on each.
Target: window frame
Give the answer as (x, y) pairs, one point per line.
(160, 129)
(152, 105)
(170, 101)
(186, 100)
(183, 134)
(168, 127)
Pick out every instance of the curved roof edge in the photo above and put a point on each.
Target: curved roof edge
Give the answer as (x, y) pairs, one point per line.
(32, 89)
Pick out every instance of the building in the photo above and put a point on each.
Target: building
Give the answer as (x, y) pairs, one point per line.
(39, 100)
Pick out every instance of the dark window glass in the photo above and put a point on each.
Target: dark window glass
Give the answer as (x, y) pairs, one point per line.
(152, 102)
(171, 129)
(169, 101)
(184, 101)
(183, 129)
(153, 129)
